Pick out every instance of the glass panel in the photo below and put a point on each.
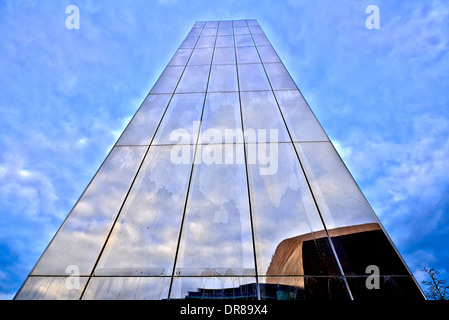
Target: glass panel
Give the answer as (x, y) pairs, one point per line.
(201, 56)
(194, 79)
(261, 40)
(356, 233)
(288, 232)
(168, 80)
(279, 77)
(225, 31)
(141, 129)
(239, 23)
(144, 240)
(195, 32)
(210, 24)
(252, 22)
(221, 119)
(261, 118)
(267, 54)
(199, 24)
(206, 42)
(303, 288)
(247, 55)
(256, 30)
(189, 42)
(181, 57)
(241, 30)
(127, 288)
(209, 32)
(241, 288)
(225, 41)
(244, 40)
(389, 288)
(224, 56)
(226, 23)
(301, 122)
(181, 120)
(216, 234)
(82, 236)
(223, 77)
(52, 288)
(252, 77)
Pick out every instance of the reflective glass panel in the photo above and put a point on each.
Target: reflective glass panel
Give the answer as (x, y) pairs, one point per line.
(252, 22)
(223, 77)
(209, 32)
(301, 122)
(252, 77)
(168, 80)
(358, 238)
(206, 288)
(194, 79)
(81, 237)
(181, 120)
(189, 42)
(267, 54)
(224, 56)
(303, 288)
(206, 42)
(247, 55)
(224, 41)
(288, 232)
(244, 40)
(216, 234)
(279, 77)
(239, 23)
(241, 30)
(195, 32)
(211, 24)
(201, 56)
(256, 30)
(141, 129)
(225, 31)
(261, 40)
(180, 58)
(225, 23)
(127, 288)
(221, 119)
(144, 239)
(261, 118)
(51, 288)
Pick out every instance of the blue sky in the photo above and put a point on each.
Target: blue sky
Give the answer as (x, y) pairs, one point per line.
(66, 95)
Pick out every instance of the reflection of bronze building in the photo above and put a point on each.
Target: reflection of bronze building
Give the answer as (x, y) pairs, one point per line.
(357, 247)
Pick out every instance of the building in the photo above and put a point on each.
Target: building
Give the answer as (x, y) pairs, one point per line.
(223, 186)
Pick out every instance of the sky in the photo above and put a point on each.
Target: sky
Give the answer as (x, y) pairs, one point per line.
(380, 94)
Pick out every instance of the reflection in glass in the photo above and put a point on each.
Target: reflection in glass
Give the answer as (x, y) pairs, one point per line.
(181, 120)
(247, 55)
(206, 288)
(267, 54)
(279, 77)
(285, 219)
(223, 77)
(301, 122)
(194, 79)
(144, 239)
(127, 288)
(180, 58)
(216, 234)
(260, 111)
(168, 80)
(224, 56)
(252, 77)
(221, 121)
(51, 288)
(142, 127)
(244, 40)
(205, 42)
(189, 42)
(201, 56)
(81, 237)
(224, 41)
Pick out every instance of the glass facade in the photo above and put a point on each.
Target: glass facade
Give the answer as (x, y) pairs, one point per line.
(223, 186)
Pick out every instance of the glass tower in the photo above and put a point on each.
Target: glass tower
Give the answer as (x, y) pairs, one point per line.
(222, 186)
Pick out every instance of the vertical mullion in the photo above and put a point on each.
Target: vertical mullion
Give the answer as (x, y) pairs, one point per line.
(246, 167)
